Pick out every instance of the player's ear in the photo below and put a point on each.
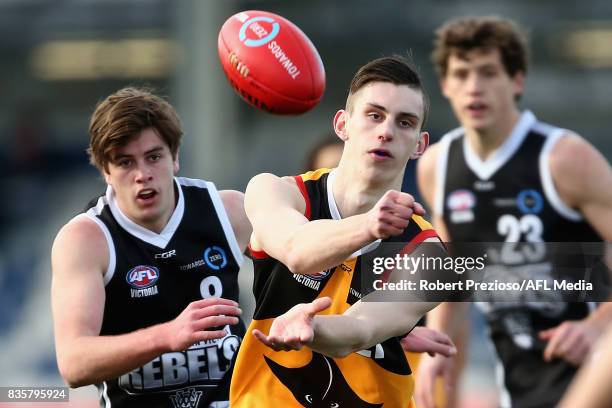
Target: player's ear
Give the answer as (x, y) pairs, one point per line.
(175, 164)
(421, 145)
(519, 83)
(340, 124)
(443, 87)
(106, 175)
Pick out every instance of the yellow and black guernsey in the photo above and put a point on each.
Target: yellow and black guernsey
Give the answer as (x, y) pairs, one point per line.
(378, 377)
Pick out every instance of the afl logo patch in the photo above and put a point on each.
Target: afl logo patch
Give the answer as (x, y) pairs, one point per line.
(215, 258)
(142, 276)
(321, 275)
(461, 200)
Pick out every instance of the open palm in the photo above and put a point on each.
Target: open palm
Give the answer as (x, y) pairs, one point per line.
(294, 329)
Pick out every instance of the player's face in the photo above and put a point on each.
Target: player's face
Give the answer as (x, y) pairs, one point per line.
(383, 127)
(480, 91)
(141, 174)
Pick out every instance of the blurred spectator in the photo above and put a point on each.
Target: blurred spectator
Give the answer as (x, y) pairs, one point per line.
(325, 153)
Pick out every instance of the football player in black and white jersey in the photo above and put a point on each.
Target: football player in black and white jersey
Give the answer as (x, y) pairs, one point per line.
(144, 288)
(505, 176)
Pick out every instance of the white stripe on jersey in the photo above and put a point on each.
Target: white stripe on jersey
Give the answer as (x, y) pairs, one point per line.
(553, 135)
(441, 166)
(92, 214)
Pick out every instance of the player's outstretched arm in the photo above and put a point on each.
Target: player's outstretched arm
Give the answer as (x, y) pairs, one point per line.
(591, 387)
(362, 326)
(425, 340)
(79, 260)
(275, 207)
(447, 317)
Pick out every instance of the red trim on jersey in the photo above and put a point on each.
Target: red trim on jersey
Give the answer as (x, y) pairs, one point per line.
(302, 187)
(257, 254)
(410, 246)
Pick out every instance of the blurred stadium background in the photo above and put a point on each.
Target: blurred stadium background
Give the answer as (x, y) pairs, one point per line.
(59, 57)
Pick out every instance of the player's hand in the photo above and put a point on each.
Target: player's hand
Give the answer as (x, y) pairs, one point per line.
(391, 214)
(430, 369)
(294, 329)
(571, 341)
(193, 324)
(425, 340)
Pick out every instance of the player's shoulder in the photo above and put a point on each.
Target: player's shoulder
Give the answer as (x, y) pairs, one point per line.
(265, 189)
(428, 161)
(81, 226)
(82, 234)
(430, 156)
(264, 181)
(572, 155)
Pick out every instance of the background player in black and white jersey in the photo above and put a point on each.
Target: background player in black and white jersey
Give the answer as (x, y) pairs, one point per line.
(504, 176)
(120, 296)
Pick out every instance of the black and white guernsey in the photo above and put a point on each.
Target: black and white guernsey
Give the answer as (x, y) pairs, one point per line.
(511, 197)
(152, 277)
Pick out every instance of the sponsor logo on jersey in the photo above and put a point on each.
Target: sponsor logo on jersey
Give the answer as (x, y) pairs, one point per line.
(504, 202)
(460, 203)
(187, 398)
(215, 257)
(484, 185)
(321, 275)
(307, 281)
(530, 201)
(346, 268)
(203, 364)
(142, 279)
(166, 255)
(142, 276)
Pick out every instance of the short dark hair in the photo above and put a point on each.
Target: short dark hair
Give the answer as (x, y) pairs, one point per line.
(395, 69)
(466, 34)
(120, 117)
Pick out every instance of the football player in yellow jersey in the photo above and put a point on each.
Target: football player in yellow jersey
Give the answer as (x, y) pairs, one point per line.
(309, 232)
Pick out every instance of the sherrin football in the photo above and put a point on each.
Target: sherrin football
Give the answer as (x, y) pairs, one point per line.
(271, 63)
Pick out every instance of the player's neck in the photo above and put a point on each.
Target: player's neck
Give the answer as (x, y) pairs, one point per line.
(355, 194)
(484, 142)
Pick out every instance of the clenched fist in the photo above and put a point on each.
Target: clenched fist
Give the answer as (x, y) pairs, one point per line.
(391, 214)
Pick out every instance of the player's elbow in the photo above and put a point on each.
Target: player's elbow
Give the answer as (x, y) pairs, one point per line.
(72, 372)
(298, 263)
(71, 375)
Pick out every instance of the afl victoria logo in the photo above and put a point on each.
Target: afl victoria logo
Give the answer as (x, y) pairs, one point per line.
(142, 276)
(263, 33)
(461, 200)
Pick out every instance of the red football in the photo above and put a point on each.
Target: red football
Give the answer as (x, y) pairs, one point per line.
(271, 63)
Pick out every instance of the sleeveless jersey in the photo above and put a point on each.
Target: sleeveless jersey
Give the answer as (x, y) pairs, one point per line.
(511, 198)
(376, 377)
(152, 277)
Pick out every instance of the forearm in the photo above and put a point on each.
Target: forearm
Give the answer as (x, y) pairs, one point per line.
(364, 325)
(448, 318)
(339, 335)
(88, 360)
(590, 387)
(601, 317)
(322, 244)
